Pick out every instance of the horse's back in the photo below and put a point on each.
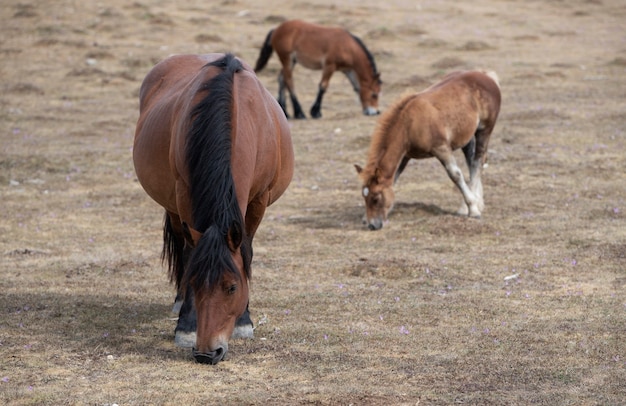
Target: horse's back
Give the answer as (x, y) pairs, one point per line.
(309, 40)
(159, 112)
(465, 91)
(262, 129)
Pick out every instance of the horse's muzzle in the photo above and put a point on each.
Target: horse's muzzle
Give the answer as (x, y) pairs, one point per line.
(212, 357)
(371, 111)
(375, 224)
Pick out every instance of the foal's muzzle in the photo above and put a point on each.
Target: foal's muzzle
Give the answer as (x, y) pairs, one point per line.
(375, 224)
(212, 357)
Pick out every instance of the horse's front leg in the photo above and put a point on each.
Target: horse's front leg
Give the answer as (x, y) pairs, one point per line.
(281, 93)
(185, 333)
(285, 80)
(327, 72)
(455, 173)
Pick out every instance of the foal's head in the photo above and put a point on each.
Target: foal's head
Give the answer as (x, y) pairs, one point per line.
(378, 194)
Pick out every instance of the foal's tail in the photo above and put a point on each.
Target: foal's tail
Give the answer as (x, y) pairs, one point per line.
(266, 52)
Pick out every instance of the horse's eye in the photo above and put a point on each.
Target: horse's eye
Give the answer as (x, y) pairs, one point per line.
(231, 289)
(374, 96)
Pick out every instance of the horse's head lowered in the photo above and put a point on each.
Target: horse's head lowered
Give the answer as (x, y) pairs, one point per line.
(220, 286)
(378, 194)
(219, 265)
(369, 94)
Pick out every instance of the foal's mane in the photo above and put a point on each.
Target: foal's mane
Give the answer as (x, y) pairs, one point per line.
(214, 204)
(370, 57)
(380, 136)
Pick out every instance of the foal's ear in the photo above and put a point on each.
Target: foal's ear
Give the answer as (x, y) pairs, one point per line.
(358, 169)
(235, 236)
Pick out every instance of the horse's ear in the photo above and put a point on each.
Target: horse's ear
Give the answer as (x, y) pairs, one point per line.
(358, 169)
(235, 236)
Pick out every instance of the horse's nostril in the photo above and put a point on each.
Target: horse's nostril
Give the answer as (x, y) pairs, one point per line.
(371, 227)
(212, 357)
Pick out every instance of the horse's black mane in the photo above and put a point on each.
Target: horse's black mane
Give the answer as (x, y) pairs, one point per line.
(370, 57)
(213, 199)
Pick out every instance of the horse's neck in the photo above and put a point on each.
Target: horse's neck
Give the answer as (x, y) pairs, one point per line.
(363, 71)
(354, 80)
(389, 153)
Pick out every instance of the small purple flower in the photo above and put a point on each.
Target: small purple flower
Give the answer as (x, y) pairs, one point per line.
(287, 312)
(404, 330)
(5, 379)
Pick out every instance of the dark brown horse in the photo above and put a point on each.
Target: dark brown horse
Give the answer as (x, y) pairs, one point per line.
(458, 112)
(327, 48)
(213, 148)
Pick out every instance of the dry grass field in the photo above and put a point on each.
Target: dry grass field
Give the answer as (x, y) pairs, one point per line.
(524, 306)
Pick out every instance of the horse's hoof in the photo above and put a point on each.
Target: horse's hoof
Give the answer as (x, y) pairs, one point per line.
(185, 339)
(177, 305)
(244, 331)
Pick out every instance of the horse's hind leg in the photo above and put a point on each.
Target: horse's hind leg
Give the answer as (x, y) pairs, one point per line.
(454, 172)
(479, 158)
(469, 151)
(316, 109)
(285, 81)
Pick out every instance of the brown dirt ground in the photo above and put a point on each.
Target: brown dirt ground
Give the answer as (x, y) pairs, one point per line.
(525, 306)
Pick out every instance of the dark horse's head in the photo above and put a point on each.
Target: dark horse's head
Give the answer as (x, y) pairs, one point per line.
(219, 266)
(370, 84)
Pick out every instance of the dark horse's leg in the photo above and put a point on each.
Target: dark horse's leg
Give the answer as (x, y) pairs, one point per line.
(285, 80)
(316, 109)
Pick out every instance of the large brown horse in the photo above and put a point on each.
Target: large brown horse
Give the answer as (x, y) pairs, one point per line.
(213, 148)
(327, 48)
(458, 112)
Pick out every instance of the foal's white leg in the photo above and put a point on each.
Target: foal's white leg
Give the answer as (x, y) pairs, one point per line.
(476, 186)
(471, 206)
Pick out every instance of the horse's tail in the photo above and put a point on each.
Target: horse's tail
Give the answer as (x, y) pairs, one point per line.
(173, 252)
(266, 52)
